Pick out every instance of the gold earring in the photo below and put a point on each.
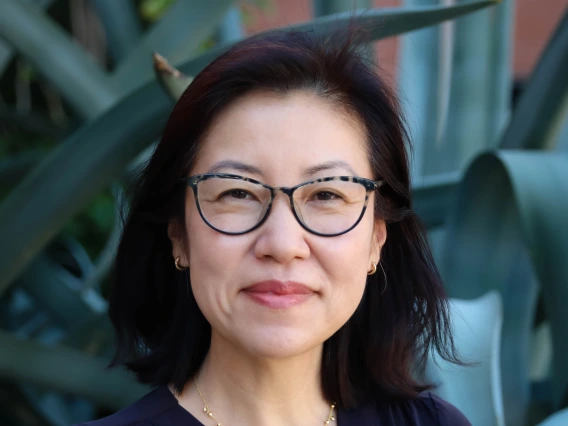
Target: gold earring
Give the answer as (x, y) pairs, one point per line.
(179, 268)
(373, 268)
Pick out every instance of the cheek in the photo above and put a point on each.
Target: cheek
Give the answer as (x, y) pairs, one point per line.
(348, 255)
(210, 263)
(345, 263)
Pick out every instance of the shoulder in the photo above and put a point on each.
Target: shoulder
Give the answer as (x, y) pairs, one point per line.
(429, 409)
(141, 413)
(425, 410)
(446, 413)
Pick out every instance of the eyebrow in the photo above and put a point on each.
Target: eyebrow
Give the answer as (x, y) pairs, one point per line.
(235, 165)
(310, 171)
(330, 165)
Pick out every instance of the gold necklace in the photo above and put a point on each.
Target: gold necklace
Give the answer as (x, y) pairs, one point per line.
(206, 410)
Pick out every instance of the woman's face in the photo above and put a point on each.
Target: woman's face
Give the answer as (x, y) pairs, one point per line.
(282, 137)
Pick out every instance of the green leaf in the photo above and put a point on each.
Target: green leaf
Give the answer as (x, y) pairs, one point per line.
(388, 22)
(432, 197)
(80, 80)
(500, 81)
(327, 7)
(507, 232)
(58, 290)
(480, 82)
(231, 27)
(67, 370)
(382, 23)
(121, 23)
(171, 79)
(13, 169)
(542, 108)
(47, 198)
(6, 51)
(152, 10)
(185, 25)
(424, 86)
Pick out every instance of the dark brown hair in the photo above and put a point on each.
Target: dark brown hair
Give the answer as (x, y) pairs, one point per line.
(162, 335)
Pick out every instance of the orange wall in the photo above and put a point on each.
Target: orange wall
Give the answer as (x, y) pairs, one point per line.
(535, 22)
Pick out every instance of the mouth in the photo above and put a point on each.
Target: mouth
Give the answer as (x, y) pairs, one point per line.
(278, 294)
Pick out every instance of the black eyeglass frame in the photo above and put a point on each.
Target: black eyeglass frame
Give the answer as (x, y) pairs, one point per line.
(369, 184)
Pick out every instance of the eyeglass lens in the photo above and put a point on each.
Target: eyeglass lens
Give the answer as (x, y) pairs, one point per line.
(235, 206)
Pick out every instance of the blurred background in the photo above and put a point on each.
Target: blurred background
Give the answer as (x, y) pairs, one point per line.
(484, 85)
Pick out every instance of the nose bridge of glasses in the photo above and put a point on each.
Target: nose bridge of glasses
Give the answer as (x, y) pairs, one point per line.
(288, 192)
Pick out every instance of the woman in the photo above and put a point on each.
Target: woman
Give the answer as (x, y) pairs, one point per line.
(271, 270)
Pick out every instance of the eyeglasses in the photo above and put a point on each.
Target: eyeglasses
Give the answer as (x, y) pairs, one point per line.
(234, 205)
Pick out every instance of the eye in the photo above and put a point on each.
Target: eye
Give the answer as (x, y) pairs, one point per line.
(325, 196)
(239, 194)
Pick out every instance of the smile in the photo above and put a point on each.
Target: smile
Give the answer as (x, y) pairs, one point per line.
(279, 295)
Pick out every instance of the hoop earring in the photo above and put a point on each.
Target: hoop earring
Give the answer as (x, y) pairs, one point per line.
(385, 275)
(373, 269)
(179, 268)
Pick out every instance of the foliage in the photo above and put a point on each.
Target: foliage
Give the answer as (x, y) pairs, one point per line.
(73, 129)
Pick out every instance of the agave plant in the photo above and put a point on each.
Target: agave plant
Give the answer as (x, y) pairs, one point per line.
(491, 185)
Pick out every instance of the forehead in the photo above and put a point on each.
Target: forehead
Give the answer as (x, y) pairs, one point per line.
(284, 136)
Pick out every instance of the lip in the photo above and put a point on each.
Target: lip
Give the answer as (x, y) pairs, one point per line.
(279, 295)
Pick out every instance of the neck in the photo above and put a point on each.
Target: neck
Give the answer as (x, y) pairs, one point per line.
(244, 390)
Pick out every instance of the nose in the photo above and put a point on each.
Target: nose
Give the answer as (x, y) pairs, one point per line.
(281, 237)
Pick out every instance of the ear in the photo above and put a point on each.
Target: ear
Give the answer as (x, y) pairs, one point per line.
(379, 239)
(175, 234)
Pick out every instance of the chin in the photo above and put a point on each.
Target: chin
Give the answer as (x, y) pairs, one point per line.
(278, 342)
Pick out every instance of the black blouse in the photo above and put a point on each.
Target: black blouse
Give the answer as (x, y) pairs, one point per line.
(160, 408)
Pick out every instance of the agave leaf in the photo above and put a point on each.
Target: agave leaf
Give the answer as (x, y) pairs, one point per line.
(183, 28)
(480, 90)
(106, 256)
(14, 168)
(90, 159)
(231, 27)
(172, 80)
(388, 22)
(122, 26)
(500, 65)
(66, 370)
(87, 87)
(433, 196)
(381, 23)
(507, 231)
(424, 84)
(100, 151)
(15, 406)
(94, 335)
(81, 81)
(6, 51)
(448, 126)
(542, 108)
(562, 144)
(58, 290)
(328, 7)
